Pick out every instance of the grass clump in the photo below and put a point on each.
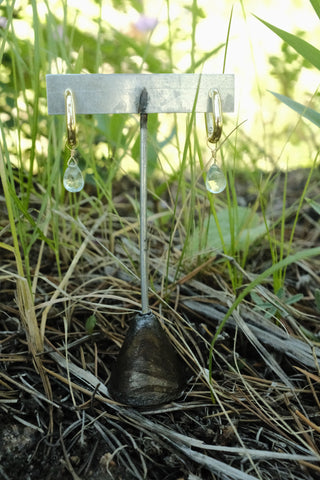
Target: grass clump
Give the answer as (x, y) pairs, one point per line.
(234, 278)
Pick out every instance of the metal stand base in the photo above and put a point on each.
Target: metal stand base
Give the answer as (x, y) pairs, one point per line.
(148, 371)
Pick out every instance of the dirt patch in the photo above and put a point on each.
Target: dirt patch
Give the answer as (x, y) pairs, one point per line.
(254, 416)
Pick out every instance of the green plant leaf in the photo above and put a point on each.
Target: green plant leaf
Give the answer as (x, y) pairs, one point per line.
(304, 111)
(314, 205)
(317, 298)
(91, 323)
(246, 228)
(316, 6)
(308, 51)
(294, 299)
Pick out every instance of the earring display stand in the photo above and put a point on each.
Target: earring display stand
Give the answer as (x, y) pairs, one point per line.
(147, 371)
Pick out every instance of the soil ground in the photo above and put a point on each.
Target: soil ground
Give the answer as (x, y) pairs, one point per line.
(260, 422)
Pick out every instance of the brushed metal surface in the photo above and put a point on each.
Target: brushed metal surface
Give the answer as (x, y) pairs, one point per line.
(120, 92)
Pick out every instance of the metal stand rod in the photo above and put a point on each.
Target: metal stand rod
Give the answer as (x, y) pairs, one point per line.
(143, 203)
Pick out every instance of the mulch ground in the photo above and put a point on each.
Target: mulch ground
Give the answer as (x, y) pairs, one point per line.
(257, 417)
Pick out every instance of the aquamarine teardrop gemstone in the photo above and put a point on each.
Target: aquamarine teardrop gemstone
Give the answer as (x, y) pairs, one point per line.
(216, 181)
(72, 179)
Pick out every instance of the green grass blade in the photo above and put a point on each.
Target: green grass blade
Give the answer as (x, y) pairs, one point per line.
(204, 58)
(11, 215)
(10, 248)
(304, 111)
(227, 41)
(308, 51)
(36, 89)
(5, 31)
(316, 6)
(294, 258)
(314, 205)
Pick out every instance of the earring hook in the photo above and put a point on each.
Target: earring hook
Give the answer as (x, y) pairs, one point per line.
(214, 119)
(70, 118)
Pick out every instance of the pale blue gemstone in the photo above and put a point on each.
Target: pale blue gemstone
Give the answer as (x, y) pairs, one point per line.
(216, 181)
(72, 179)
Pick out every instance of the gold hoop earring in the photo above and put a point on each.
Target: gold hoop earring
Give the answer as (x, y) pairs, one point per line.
(72, 179)
(215, 179)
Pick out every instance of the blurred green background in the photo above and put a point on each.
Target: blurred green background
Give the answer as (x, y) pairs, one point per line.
(169, 36)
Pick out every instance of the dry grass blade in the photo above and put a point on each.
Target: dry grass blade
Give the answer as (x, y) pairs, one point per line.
(68, 274)
(82, 375)
(259, 329)
(256, 418)
(29, 390)
(189, 442)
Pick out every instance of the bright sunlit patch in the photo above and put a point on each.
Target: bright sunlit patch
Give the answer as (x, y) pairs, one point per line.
(23, 29)
(250, 45)
(58, 65)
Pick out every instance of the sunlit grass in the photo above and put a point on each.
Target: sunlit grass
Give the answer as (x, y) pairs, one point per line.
(224, 270)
